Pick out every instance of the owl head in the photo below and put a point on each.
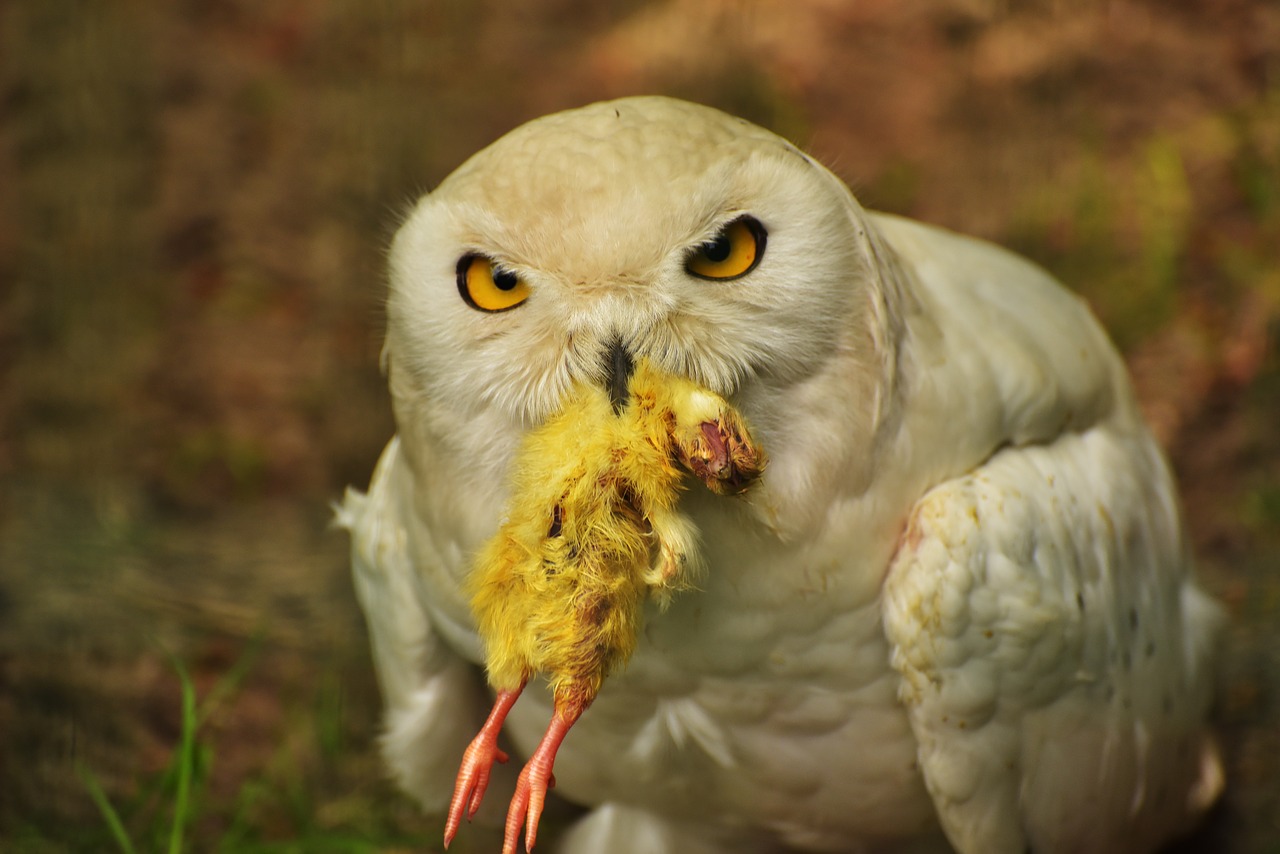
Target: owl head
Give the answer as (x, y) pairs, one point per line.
(638, 227)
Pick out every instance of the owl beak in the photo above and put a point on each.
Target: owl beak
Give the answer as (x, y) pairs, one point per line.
(618, 366)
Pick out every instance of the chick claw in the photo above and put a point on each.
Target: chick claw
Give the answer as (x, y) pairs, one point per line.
(473, 780)
(526, 805)
(536, 778)
(477, 763)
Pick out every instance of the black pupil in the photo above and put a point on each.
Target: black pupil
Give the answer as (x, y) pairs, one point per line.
(504, 280)
(717, 250)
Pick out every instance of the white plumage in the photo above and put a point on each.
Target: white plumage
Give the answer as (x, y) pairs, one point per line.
(959, 605)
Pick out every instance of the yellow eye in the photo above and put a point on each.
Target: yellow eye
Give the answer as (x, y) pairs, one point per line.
(489, 289)
(732, 253)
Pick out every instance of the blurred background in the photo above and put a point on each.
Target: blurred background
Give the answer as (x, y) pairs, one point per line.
(195, 200)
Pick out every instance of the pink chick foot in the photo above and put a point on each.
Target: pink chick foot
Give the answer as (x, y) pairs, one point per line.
(535, 779)
(477, 763)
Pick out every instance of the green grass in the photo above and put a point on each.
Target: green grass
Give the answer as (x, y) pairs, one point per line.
(182, 781)
(109, 814)
(301, 797)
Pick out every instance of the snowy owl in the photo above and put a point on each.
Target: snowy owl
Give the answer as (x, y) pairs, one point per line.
(938, 597)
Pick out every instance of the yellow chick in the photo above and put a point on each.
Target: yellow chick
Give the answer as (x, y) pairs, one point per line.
(591, 532)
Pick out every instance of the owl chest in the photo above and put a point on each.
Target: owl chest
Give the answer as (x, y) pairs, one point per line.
(758, 710)
(754, 700)
(776, 653)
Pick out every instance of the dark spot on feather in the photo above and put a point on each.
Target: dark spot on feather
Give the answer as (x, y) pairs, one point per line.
(1133, 618)
(1080, 601)
(557, 522)
(627, 506)
(595, 609)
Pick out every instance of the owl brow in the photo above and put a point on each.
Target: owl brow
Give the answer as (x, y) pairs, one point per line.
(502, 262)
(716, 223)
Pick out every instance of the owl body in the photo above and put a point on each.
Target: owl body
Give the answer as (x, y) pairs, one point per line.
(957, 610)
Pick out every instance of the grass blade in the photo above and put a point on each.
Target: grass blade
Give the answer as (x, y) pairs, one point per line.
(109, 814)
(230, 682)
(186, 759)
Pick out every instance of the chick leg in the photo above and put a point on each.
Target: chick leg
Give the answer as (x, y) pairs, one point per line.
(536, 778)
(477, 762)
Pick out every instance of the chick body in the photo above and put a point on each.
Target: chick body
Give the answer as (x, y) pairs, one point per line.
(592, 530)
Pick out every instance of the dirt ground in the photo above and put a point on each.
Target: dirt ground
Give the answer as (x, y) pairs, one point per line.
(195, 198)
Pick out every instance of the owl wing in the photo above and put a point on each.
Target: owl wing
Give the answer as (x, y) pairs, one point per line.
(1054, 654)
(434, 698)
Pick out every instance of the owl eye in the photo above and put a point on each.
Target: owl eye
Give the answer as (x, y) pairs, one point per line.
(488, 288)
(732, 253)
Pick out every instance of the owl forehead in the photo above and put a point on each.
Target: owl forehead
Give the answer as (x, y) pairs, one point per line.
(607, 190)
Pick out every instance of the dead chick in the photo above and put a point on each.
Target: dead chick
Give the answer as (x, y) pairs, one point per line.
(592, 531)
